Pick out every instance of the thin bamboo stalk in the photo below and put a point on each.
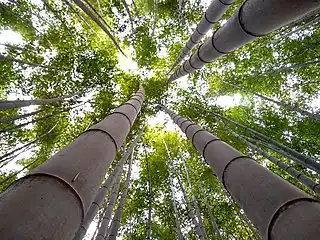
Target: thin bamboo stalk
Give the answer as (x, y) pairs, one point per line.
(5, 8)
(314, 116)
(11, 104)
(279, 151)
(107, 215)
(155, 13)
(105, 189)
(17, 47)
(115, 225)
(13, 118)
(56, 14)
(10, 59)
(84, 8)
(98, 14)
(190, 210)
(30, 122)
(81, 18)
(8, 157)
(209, 211)
(149, 196)
(128, 12)
(310, 161)
(195, 202)
(174, 205)
(305, 180)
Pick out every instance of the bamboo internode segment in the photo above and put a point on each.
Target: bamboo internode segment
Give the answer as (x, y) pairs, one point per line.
(278, 209)
(66, 183)
(212, 15)
(255, 18)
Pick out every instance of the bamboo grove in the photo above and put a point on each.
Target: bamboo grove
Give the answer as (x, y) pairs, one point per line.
(159, 119)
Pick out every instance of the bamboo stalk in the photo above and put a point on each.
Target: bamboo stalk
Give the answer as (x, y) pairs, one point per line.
(105, 189)
(309, 161)
(254, 18)
(212, 15)
(305, 180)
(115, 225)
(270, 202)
(174, 205)
(84, 8)
(303, 112)
(67, 182)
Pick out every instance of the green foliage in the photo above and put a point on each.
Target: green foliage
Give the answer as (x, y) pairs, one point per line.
(77, 56)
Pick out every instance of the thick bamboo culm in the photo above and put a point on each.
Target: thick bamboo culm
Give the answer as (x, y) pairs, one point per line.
(35, 206)
(212, 15)
(278, 209)
(254, 18)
